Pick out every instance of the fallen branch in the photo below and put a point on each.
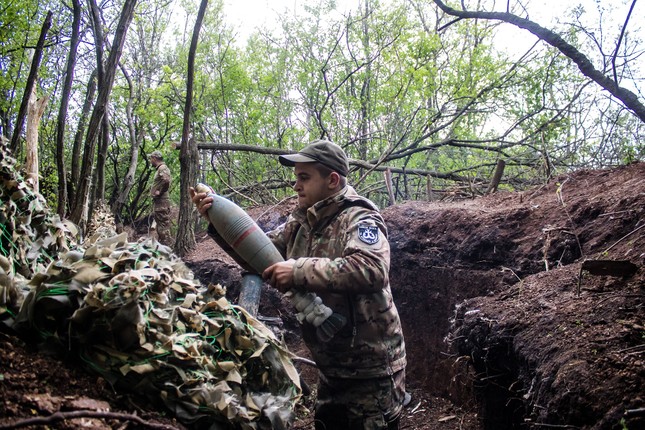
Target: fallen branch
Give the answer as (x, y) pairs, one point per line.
(555, 426)
(62, 416)
(353, 162)
(635, 412)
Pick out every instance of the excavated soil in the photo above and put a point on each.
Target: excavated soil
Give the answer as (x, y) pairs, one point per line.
(520, 310)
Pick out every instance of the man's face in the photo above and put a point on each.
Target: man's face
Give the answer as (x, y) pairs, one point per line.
(310, 186)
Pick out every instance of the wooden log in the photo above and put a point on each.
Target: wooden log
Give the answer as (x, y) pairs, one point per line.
(388, 185)
(497, 177)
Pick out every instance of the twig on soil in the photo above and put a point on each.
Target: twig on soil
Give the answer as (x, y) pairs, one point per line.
(547, 243)
(62, 416)
(636, 348)
(635, 412)
(485, 378)
(461, 422)
(535, 192)
(558, 192)
(555, 426)
(615, 213)
(613, 296)
(623, 238)
(512, 271)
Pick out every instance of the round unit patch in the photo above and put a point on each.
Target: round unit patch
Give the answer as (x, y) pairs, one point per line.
(368, 233)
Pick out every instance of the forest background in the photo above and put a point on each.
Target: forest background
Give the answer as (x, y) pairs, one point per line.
(417, 92)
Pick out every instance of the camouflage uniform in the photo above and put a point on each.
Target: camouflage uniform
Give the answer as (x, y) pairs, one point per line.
(341, 250)
(161, 203)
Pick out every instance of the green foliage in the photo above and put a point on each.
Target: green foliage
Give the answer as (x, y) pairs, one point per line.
(382, 81)
(20, 25)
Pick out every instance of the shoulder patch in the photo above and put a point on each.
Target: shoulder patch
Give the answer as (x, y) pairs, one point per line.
(368, 233)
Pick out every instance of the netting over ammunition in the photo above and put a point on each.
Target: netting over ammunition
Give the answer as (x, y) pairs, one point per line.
(134, 314)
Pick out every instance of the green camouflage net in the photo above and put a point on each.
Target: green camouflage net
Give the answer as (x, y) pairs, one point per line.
(134, 314)
(31, 237)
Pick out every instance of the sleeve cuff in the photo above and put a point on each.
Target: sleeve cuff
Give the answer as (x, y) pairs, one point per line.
(299, 273)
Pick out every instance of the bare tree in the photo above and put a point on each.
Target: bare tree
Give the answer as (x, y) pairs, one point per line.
(31, 81)
(188, 155)
(135, 143)
(78, 138)
(62, 111)
(628, 98)
(80, 210)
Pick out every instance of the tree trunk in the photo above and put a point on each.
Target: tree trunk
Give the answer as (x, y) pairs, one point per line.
(188, 155)
(78, 138)
(97, 28)
(35, 109)
(366, 95)
(31, 82)
(97, 115)
(135, 142)
(62, 111)
(101, 156)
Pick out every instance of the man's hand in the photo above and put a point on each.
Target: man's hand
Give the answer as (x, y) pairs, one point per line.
(280, 275)
(202, 201)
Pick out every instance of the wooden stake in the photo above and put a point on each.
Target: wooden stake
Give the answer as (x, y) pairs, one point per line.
(497, 177)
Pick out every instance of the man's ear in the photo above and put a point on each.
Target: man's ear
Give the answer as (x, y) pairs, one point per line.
(334, 180)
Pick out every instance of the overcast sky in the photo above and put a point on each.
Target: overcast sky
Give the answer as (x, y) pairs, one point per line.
(246, 15)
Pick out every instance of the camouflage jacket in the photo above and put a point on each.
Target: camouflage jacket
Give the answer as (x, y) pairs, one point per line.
(342, 253)
(160, 183)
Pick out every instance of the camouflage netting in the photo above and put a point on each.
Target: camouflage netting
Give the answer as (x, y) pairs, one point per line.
(31, 236)
(133, 313)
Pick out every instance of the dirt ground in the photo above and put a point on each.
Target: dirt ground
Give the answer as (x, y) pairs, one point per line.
(513, 317)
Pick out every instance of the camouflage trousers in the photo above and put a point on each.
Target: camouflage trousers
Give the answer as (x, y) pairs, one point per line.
(360, 404)
(161, 215)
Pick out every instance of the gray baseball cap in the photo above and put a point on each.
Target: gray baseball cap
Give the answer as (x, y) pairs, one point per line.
(319, 151)
(157, 155)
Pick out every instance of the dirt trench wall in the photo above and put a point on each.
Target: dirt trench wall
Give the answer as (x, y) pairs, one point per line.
(538, 356)
(548, 357)
(426, 298)
(442, 255)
